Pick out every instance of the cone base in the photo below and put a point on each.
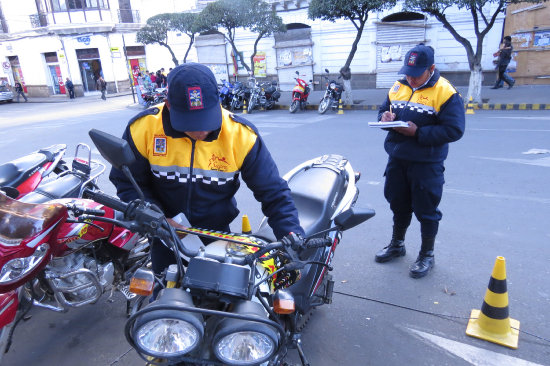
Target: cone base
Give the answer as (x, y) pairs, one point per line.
(509, 339)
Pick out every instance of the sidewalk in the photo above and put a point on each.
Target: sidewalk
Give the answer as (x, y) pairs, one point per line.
(522, 97)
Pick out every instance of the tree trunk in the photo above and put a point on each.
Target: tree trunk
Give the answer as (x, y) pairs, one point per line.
(474, 87)
(348, 93)
(174, 59)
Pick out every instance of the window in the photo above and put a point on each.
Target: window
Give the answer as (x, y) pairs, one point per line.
(59, 5)
(76, 4)
(63, 5)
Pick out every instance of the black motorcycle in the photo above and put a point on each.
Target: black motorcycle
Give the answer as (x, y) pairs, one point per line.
(263, 95)
(155, 96)
(239, 94)
(243, 299)
(333, 94)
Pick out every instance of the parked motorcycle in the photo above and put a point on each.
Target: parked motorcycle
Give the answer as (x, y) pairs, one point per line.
(263, 95)
(225, 94)
(155, 96)
(300, 92)
(21, 176)
(333, 94)
(239, 94)
(49, 259)
(243, 299)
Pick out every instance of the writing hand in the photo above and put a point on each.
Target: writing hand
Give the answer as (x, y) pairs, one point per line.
(387, 116)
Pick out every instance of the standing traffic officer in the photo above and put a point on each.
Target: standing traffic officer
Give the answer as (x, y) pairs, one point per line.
(434, 112)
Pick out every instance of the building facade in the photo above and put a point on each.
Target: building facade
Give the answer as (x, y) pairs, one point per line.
(43, 42)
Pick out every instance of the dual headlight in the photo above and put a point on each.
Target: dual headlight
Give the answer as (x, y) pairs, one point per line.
(17, 268)
(170, 334)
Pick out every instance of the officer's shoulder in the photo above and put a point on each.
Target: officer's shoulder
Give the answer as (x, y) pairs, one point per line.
(148, 112)
(243, 121)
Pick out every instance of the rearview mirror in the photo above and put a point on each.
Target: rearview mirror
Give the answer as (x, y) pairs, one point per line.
(326, 70)
(297, 73)
(113, 149)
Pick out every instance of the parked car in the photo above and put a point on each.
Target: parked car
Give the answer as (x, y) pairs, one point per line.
(6, 94)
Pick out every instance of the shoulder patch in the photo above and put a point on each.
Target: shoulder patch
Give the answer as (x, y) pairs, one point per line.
(147, 112)
(244, 121)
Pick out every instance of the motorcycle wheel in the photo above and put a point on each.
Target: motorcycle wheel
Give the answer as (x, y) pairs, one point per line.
(232, 106)
(251, 106)
(323, 106)
(293, 106)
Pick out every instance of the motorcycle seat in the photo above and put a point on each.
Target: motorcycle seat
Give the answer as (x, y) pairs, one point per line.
(16, 171)
(315, 203)
(67, 185)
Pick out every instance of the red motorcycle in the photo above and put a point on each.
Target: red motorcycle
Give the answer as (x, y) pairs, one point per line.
(51, 260)
(23, 175)
(299, 94)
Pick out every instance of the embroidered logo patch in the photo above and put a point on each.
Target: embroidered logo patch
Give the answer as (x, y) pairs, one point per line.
(218, 163)
(160, 146)
(423, 100)
(412, 59)
(195, 97)
(395, 88)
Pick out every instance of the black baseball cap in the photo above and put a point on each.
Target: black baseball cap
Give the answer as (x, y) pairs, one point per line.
(418, 59)
(194, 98)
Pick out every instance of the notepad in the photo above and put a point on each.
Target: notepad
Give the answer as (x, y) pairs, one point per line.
(388, 124)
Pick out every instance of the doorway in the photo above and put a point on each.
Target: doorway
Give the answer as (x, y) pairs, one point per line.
(90, 67)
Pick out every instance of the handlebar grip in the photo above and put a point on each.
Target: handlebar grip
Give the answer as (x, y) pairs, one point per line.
(108, 201)
(92, 211)
(318, 243)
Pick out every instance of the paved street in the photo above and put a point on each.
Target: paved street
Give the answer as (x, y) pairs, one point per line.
(496, 202)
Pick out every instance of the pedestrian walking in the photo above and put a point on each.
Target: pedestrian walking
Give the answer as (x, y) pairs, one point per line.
(102, 86)
(70, 87)
(434, 113)
(504, 56)
(19, 91)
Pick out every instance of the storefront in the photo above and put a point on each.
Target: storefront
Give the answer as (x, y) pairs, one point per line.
(136, 61)
(55, 82)
(17, 72)
(90, 67)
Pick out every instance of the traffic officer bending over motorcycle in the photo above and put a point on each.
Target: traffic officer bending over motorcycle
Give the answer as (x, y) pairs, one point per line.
(434, 112)
(190, 153)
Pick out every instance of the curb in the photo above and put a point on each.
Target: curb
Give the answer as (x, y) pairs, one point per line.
(479, 106)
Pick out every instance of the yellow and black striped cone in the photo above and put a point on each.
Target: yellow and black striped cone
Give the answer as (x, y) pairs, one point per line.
(470, 107)
(493, 322)
(340, 107)
(245, 110)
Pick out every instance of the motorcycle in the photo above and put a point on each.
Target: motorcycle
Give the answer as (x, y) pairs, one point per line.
(49, 259)
(226, 94)
(243, 299)
(332, 96)
(300, 92)
(21, 176)
(153, 97)
(263, 94)
(239, 94)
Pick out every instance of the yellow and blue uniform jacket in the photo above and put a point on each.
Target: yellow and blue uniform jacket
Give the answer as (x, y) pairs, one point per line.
(438, 111)
(200, 178)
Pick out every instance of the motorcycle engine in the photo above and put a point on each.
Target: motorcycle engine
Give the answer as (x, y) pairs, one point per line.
(64, 275)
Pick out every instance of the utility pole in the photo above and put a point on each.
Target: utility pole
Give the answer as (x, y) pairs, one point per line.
(129, 71)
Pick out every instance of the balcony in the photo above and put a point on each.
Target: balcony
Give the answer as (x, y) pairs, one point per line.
(38, 20)
(128, 16)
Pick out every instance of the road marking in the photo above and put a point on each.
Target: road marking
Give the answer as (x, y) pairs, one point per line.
(494, 195)
(545, 162)
(474, 355)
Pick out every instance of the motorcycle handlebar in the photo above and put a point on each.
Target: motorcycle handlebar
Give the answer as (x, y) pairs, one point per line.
(318, 243)
(108, 201)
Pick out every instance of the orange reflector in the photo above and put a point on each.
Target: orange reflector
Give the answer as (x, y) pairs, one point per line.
(140, 286)
(282, 306)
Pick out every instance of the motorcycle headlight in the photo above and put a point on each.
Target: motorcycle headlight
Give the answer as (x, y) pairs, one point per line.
(332, 85)
(17, 268)
(245, 342)
(167, 333)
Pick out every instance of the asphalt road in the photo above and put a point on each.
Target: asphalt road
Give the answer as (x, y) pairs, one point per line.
(496, 203)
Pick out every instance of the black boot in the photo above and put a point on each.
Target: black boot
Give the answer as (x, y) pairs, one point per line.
(395, 249)
(424, 263)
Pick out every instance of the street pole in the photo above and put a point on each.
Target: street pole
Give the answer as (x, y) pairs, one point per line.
(127, 67)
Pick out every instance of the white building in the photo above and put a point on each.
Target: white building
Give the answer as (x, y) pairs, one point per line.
(43, 42)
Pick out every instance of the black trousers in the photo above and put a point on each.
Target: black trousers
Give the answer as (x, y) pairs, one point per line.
(413, 187)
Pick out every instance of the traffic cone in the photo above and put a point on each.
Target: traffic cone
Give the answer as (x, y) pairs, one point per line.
(493, 322)
(340, 107)
(470, 107)
(246, 229)
(245, 111)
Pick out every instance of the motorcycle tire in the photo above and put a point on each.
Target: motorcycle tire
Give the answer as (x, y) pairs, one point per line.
(323, 106)
(293, 106)
(233, 105)
(251, 106)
